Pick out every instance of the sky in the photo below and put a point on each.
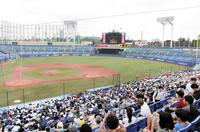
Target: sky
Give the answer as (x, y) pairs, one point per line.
(186, 23)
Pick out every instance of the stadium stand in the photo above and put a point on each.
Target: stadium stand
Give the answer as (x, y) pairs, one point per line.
(180, 56)
(44, 50)
(89, 107)
(72, 111)
(177, 56)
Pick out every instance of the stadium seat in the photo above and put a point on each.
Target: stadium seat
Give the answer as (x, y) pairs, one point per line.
(132, 128)
(136, 112)
(152, 107)
(142, 123)
(195, 125)
(186, 129)
(197, 103)
(161, 103)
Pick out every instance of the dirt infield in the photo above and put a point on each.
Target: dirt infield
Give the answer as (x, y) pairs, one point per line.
(86, 71)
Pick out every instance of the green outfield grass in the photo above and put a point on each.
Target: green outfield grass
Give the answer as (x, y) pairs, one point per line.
(129, 69)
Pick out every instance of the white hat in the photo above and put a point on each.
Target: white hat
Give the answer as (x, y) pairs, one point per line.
(81, 117)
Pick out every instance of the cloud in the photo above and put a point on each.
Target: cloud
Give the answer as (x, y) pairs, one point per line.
(42, 11)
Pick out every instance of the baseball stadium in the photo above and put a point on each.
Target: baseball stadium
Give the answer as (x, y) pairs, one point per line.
(51, 80)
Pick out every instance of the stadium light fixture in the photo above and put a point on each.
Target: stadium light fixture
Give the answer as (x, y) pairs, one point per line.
(197, 48)
(166, 21)
(71, 29)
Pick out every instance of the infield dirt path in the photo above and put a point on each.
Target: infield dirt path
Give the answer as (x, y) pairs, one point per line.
(86, 71)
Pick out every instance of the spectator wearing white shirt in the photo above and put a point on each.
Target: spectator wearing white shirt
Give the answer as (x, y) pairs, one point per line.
(87, 104)
(189, 89)
(158, 94)
(15, 128)
(129, 119)
(145, 110)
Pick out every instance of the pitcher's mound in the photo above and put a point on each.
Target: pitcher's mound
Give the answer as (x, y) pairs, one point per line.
(18, 82)
(51, 72)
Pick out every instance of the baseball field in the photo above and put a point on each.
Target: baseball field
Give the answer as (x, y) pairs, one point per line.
(43, 77)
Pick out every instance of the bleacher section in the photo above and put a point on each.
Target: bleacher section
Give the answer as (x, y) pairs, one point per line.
(45, 50)
(177, 56)
(161, 105)
(141, 123)
(3, 56)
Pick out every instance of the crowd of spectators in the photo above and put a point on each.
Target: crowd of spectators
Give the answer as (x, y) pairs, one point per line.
(111, 109)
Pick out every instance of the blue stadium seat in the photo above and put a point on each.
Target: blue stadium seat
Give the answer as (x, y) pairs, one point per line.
(136, 112)
(152, 107)
(172, 55)
(132, 128)
(195, 124)
(186, 129)
(160, 104)
(142, 123)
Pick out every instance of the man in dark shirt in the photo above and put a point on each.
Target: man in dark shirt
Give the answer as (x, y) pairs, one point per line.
(196, 93)
(193, 112)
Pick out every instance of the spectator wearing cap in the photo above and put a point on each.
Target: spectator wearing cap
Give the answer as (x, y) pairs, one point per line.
(59, 125)
(81, 121)
(196, 93)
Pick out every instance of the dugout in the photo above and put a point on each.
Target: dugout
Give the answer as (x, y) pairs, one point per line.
(109, 51)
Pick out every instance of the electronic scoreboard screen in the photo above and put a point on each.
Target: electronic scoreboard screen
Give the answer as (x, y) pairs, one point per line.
(113, 38)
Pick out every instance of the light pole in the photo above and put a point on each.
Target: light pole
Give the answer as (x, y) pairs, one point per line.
(172, 28)
(197, 49)
(163, 41)
(166, 21)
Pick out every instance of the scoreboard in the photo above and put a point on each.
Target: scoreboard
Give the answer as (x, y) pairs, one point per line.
(113, 38)
(112, 43)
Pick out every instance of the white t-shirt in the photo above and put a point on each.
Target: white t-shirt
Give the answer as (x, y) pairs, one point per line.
(188, 88)
(15, 129)
(126, 123)
(158, 95)
(145, 111)
(59, 125)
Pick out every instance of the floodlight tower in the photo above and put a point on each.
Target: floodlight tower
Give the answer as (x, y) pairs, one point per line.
(71, 29)
(166, 21)
(197, 48)
(1, 29)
